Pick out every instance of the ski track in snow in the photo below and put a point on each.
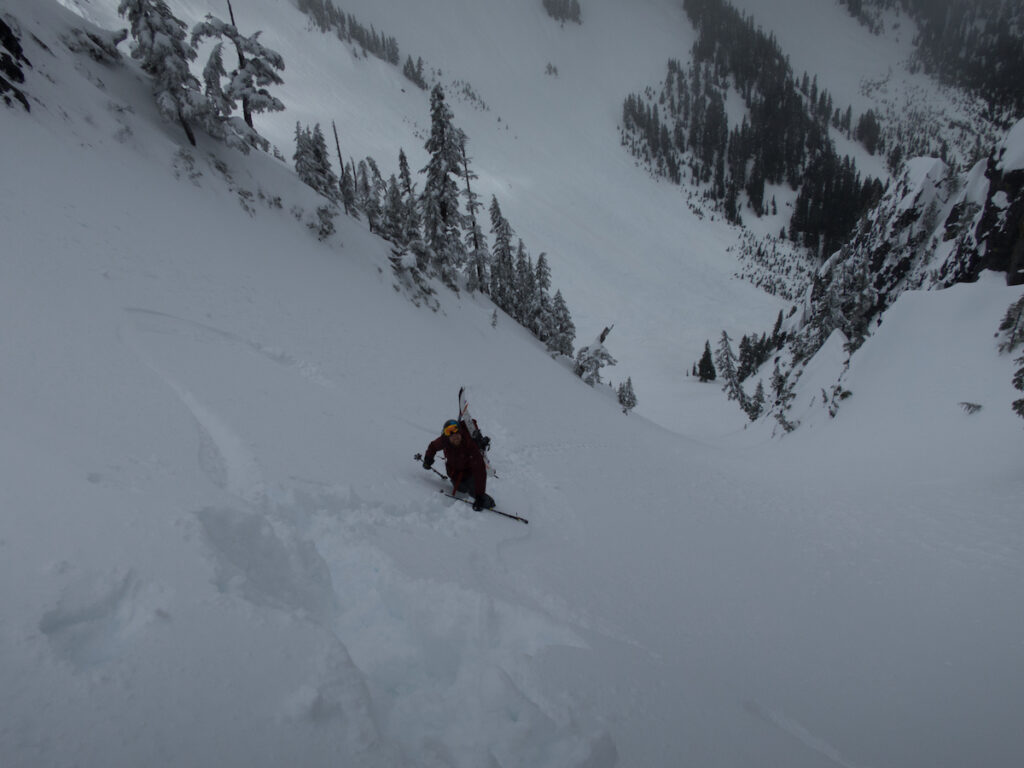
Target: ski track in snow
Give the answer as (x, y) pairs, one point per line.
(800, 733)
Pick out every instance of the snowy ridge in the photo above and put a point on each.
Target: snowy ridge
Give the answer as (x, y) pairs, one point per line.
(932, 229)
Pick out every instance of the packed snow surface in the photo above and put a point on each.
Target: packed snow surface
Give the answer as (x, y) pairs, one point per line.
(216, 548)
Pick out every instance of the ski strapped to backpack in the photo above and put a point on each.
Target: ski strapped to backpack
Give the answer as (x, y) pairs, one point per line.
(474, 429)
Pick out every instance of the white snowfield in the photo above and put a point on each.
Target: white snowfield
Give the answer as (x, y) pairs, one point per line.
(217, 550)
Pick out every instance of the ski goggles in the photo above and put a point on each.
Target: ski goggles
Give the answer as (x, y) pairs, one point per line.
(451, 429)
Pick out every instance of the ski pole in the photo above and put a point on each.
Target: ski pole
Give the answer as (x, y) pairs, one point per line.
(419, 457)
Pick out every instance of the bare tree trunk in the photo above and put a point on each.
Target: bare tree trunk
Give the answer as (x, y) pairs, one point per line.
(469, 197)
(187, 127)
(246, 110)
(341, 176)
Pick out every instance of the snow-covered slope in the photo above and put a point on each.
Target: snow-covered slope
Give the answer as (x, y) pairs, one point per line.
(215, 548)
(622, 250)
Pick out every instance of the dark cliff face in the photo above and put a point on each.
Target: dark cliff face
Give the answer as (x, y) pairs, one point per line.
(12, 58)
(1001, 228)
(933, 230)
(899, 238)
(930, 230)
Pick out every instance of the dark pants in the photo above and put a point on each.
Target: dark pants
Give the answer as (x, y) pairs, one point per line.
(466, 484)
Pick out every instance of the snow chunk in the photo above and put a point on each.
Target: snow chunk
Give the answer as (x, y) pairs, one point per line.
(976, 188)
(1011, 151)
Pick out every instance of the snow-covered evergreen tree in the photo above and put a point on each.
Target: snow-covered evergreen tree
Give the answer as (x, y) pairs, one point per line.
(564, 335)
(627, 398)
(346, 185)
(502, 263)
(257, 69)
(161, 46)
(411, 232)
(525, 286)
(219, 121)
(592, 358)
(477, 260)
(442, 219)
(563, 10)
(304, 156)
(313, 163)
(842, 296)
(782, 391)
(476, 244)
(414, 72)
(706, 367)
(543, 319)
(213, 75)
(725, 362)
(1012, 327)
(393, 216)
(755, 404)
(1018, 382)
(327, 182)
(373, 194)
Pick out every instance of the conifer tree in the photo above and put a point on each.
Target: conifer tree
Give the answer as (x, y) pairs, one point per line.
(543, 321)
(346, 182)
(592, 358)
(304, 155)
(257, 69)
(476, 243)
(393, 216)
(1011, 327)
(782, 391)
(164, 53)
(561, 341)
(411, 232)
(414, 72)
(778, 337)
(755, 405)
(221, 106)
(706, 368)
(525, 286)
(1018, 383)
(442, 219)
(313, 162)
(725, 362)
(327, 182)
(627, 398)
(502, 262)
(376, 189)
(746, 359)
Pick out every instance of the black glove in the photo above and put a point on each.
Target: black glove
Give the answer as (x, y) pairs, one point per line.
(484, 443)
(428, 463)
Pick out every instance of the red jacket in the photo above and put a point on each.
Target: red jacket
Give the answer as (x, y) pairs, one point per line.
(461, 461)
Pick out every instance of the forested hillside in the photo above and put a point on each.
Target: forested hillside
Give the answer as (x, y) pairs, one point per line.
(974, 44)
